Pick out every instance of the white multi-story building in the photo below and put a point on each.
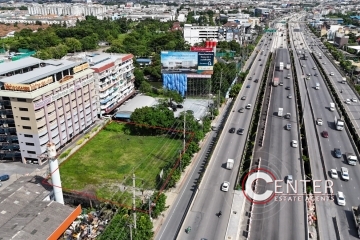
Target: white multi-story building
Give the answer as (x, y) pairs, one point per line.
(64, 9)
(198, 34)
(115, 78)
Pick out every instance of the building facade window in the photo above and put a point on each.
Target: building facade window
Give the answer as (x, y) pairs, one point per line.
(26, 127)
(21, 100)
(28, 135)
(29, 144)
(24, 109)
(31, 152)
(25, 118)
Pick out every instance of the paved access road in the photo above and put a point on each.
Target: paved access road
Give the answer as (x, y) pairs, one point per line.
(320, 101)
(176, 212)
(280, 219)
(210, 199)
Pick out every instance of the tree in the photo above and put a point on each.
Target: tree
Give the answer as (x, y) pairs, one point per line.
(139, 77)
(73, 44)
(235, 90)
(145, 87)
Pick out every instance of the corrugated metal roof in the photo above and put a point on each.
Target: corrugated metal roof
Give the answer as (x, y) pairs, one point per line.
(19, 64)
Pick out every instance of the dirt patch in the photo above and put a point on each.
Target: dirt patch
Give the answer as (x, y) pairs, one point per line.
(6, 28)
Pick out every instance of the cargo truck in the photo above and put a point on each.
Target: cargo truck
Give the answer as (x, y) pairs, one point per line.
(356, 214)
(332, 107)
(276, 82)
(281, 66)
(288, 66)
(339, 124)
(351, 159)
(230, 164)
(280, 112)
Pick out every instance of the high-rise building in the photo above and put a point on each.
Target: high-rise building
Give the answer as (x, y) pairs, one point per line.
(44, 101)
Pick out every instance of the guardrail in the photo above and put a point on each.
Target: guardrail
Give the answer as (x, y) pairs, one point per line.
(353, 135)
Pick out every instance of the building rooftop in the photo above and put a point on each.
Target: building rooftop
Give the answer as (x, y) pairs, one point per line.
(27, 211)
(50, 67)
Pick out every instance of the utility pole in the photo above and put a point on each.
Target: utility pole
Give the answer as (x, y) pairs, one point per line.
(134, 206)
(149, 196)
(130, 225)
(220, 90)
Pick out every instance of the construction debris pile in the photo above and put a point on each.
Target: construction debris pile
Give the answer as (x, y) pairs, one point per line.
(88, 225)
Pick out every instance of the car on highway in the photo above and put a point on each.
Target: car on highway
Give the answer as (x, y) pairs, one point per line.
(261, 64)
(324, 63)
(325, 134)
(345, 174)
(248, 86)
(331, 74)
(315, 74)
(232, 130)
(308, 74)
(314, 68)
(354, 99)
(243, 97)
(225, 186)
(287, 88)
(259, 59)
(319, 121)
(289, 179)
(4, 177)
(241, 110)
(240, 131)
(250, 78)
(256, 80)
(248, 106)
(337, 152)
(288, 126)
(289, 96)
(281, 83)
(340, 198)
(347, 101)
(294, 143)
(334, 174)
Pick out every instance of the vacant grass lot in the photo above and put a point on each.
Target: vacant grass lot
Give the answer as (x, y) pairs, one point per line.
(109, 159)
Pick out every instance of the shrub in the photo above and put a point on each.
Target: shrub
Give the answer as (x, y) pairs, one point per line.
(80, 142)
(65, 154)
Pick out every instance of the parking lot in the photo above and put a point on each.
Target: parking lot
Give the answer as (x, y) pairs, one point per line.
(17, 170)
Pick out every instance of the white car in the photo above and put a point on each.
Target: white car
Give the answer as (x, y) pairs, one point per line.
(248, 106)
(334, 174)
(324, 63)
(289, 96)
(345, 174)
(331, 74)
(281, 83)
(319, 121)
(225, 186)
(347, 101)
(289, 179)
(294, 143)
(354, 99)
(340, 198)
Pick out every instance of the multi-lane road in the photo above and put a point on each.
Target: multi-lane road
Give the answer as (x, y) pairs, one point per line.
(275, 219)
(202, 217)
(320, 101)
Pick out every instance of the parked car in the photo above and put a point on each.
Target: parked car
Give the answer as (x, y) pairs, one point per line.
(4, 177)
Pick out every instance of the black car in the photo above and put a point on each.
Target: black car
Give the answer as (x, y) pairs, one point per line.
(241, 110)
(179, 106)
(240, 131)
(248, 86)
(4, 177)
(250, 78)
(256, 80)
(232, 130)
(337, 152)
(287, 88)
(243, 97)
(259, 59)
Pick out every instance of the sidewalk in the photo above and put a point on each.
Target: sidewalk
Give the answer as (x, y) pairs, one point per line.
(172, 193)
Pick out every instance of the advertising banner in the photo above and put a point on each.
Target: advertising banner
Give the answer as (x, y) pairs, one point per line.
(201, 49)
(187, 62)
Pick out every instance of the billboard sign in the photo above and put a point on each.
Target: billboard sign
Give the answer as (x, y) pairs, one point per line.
(187, 62)
(201, 49)
(205, 62)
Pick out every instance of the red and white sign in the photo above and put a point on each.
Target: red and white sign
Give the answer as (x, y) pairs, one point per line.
(201, 49)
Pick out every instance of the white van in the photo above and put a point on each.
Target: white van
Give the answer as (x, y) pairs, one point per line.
(317, 86)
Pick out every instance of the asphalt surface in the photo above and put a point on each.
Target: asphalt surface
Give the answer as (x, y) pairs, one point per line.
(202, 216)
(320, 100)
(280, 219)
(207, 190)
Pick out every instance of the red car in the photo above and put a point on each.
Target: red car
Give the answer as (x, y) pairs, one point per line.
(325, 134)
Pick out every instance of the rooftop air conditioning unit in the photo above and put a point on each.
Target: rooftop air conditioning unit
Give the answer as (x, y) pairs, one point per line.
(3, 116)
(5, 125)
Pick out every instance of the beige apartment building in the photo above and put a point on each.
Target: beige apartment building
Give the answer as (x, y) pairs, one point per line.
(44, 101)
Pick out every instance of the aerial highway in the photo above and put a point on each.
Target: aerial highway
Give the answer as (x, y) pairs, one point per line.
(280, 220)
(170, 225)
(320, 102)
(202, 217)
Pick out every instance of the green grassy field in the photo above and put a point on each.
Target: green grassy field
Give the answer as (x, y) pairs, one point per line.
(108, 160)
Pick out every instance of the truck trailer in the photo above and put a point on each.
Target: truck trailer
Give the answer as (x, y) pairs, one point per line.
(230, 164)
(281, 66)
(276, 82)
(339, 123)
(356, 215)
(288, 66)
(280, 112)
